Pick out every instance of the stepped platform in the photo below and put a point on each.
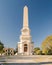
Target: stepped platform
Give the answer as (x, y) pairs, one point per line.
(41, 59)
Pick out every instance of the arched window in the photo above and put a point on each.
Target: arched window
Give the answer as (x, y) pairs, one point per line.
(25, 47)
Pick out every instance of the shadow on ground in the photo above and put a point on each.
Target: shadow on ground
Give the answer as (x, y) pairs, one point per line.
(41, 63)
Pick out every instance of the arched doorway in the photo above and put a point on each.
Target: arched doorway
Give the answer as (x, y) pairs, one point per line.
(25, 47)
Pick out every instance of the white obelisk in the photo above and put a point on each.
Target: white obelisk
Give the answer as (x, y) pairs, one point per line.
(25, 46)
(25, 17)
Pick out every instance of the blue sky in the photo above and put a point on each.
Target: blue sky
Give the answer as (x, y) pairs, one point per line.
(11, 20)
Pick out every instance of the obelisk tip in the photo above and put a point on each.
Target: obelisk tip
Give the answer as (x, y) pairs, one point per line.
(25, 6)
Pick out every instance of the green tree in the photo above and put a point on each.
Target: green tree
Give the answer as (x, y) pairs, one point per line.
(47, 46)
(36, 49)
(1, 47)
(39, 52)
(47, 51)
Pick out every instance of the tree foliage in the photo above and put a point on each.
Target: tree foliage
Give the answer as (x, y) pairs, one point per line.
(1, 46)
(47, 45)
(37, 51)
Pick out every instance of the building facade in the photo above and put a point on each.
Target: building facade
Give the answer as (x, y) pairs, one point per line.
(25, 46)
(8, 51)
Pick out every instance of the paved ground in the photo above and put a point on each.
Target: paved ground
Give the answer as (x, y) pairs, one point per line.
(34, 60)
(25, 64)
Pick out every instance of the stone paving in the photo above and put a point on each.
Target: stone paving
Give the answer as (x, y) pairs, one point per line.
(36, 59)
